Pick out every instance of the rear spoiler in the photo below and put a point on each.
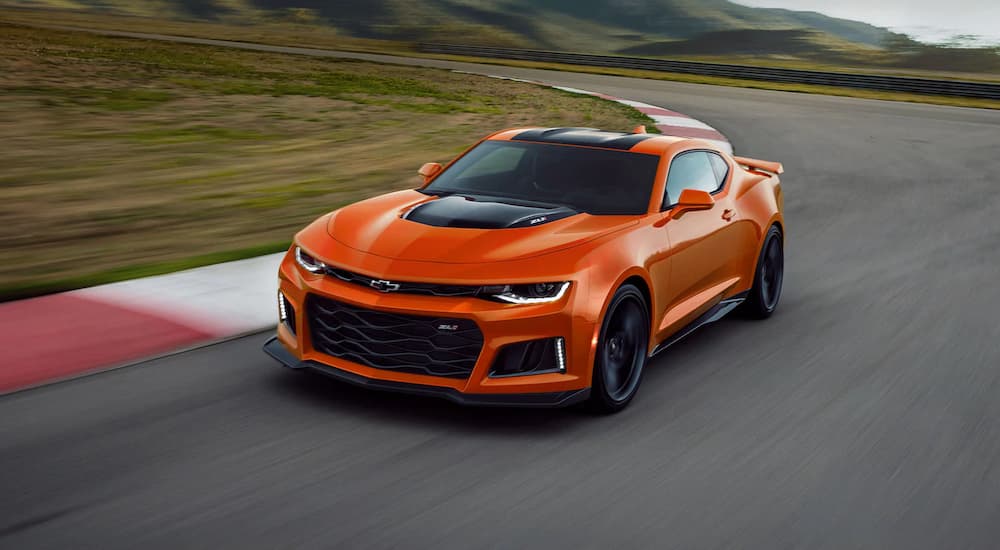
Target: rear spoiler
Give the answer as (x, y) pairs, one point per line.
(765, 165)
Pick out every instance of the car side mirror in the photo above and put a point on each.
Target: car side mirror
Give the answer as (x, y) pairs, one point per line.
(694, 199)
(690, 200)
(429, 170)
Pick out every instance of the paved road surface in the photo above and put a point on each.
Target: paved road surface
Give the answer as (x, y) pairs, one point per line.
(864, 414)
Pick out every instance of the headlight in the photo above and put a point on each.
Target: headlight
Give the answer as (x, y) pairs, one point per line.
(535, 293)
(308, 263)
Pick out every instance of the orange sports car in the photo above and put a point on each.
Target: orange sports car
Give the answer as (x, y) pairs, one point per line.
(542, 267)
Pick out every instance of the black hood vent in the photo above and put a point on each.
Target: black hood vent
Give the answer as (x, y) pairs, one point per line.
(458, 211)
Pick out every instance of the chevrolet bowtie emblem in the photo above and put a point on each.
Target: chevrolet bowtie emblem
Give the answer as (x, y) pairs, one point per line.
(384, 286)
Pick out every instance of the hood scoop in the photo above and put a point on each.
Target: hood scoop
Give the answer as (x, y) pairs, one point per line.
(458, 211)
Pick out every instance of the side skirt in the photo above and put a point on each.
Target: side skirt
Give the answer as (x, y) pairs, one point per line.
(718, 311)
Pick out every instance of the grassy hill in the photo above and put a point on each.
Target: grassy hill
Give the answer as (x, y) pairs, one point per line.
(690, 18)
(586, 25)
(785, 43)
(711, 30)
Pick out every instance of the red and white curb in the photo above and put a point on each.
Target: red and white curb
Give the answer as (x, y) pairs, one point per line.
(65, 335)
(62, 335)
(668, 122)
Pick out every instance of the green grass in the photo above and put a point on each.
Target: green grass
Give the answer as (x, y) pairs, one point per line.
(192, 134)
(102, 99)
(335, 85)
(126, 158)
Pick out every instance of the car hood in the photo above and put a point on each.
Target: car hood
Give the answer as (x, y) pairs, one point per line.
(455, 233)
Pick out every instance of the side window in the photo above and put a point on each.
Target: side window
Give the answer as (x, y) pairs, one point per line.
(721, 168)
(691, 170)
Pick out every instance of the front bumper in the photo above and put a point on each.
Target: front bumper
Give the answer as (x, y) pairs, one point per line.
(277, 350)
(574, 318)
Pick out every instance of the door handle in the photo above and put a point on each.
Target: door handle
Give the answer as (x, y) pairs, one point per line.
(728, 214)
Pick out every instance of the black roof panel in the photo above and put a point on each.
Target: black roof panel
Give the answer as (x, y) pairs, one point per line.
(590, 137)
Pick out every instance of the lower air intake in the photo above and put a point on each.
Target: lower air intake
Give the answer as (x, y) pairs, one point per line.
(417, 344)
(531, 357)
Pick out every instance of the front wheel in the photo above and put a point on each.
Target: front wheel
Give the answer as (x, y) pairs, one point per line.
(621, 351)
(770, 273)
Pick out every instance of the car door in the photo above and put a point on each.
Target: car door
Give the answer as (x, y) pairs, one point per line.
(704, 244)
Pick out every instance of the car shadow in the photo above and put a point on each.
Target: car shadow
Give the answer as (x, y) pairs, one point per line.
(340, 398)
(336, 397)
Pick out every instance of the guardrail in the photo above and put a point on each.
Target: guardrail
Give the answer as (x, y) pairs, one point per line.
(982, 90)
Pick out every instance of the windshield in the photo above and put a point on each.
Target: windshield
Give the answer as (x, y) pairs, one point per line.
(595, 181)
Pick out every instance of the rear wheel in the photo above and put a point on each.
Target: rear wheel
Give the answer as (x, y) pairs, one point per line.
(621, 351)
(770, 274)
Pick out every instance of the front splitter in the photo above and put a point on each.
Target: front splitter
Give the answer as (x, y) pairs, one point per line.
(277, 350)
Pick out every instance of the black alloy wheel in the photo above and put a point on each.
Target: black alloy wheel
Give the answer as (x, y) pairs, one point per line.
(770, 274)
(622, 350)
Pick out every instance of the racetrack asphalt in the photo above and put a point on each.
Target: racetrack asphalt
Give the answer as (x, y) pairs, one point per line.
(864, 414)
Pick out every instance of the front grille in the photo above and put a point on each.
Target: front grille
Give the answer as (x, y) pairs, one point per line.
(426, 289)
(417, 344)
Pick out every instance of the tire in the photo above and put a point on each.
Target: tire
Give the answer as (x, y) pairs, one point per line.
(622, 351)
(768, 277)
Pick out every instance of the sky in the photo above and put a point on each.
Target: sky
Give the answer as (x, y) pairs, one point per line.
(925, 20)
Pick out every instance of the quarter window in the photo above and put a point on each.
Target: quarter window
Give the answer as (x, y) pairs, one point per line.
(721, 168)
(691, 170)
